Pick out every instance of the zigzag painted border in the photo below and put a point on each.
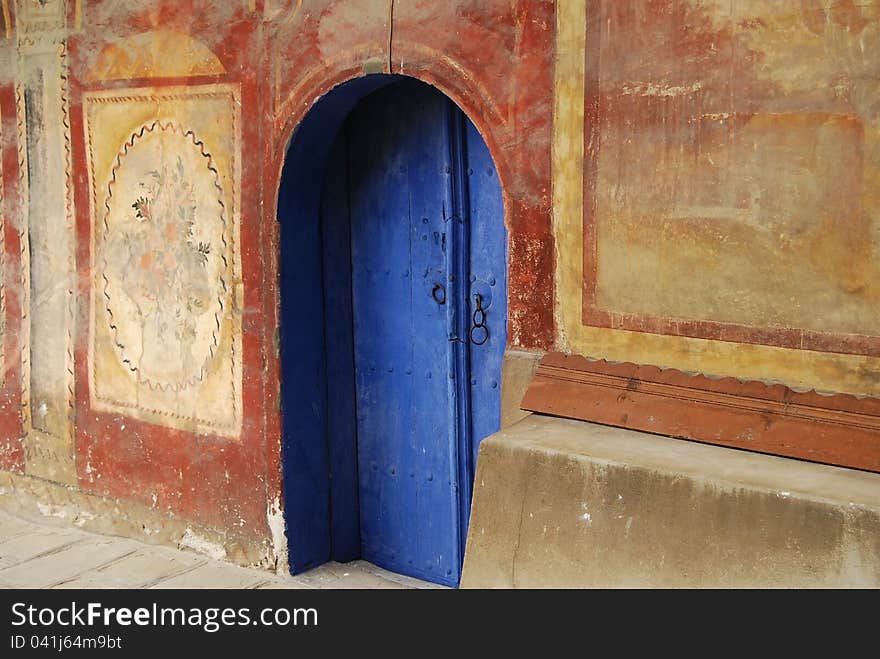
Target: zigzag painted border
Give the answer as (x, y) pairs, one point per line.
(209, 92)
(174, 127)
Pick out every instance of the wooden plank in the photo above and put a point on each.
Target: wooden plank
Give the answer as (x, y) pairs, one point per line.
(409, 518)
(839, 430)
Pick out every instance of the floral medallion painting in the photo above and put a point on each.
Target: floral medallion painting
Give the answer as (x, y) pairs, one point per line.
(166, 335)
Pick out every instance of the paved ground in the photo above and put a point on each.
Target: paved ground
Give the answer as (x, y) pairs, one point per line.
(36, 556)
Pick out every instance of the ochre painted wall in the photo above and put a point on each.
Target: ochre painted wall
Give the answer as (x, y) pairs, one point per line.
(715, 188)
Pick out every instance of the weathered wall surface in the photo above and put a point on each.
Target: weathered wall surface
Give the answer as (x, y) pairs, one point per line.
(142, 145)
(45, 222)
(687, 183)
(728, 187)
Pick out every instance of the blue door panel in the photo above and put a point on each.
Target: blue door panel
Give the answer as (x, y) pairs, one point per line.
(487, 266)
(398, 150)
(345, 539)
(303, 394)
(304, 378)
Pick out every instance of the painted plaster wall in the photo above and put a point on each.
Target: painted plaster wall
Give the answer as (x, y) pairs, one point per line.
(142, 146)
(667, 166)
(747, 146)
(715, 187)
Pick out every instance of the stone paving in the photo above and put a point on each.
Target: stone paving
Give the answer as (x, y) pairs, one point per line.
(37, 556)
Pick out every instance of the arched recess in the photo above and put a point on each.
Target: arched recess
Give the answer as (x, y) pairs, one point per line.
(392, 325)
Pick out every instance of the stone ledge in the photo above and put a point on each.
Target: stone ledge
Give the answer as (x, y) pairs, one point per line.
(562, 503)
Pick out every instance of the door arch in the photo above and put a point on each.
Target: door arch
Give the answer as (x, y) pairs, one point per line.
(393, 326)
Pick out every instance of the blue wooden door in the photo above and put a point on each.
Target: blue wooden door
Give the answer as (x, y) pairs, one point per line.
(403, 302)
(413, 253)
(425, 378)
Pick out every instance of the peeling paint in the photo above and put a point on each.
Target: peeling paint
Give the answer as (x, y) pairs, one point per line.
(197, 543)
(800, 90)
(52, 511)
(275, 519)
(659, 89)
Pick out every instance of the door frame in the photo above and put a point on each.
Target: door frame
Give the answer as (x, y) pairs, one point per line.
(306, 457)
(460, 259)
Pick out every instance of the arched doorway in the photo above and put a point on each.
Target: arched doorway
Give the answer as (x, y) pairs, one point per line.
(393, 326)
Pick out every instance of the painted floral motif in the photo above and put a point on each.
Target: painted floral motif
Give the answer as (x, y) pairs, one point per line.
(165, 288)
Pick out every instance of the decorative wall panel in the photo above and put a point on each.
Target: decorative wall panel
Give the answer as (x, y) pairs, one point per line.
(733, 190)
(46, 234)
(715, 198)
(165, 334)
(715, 188)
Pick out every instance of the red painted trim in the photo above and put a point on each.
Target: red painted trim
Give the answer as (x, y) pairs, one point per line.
(783, 337)
(11, 431)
